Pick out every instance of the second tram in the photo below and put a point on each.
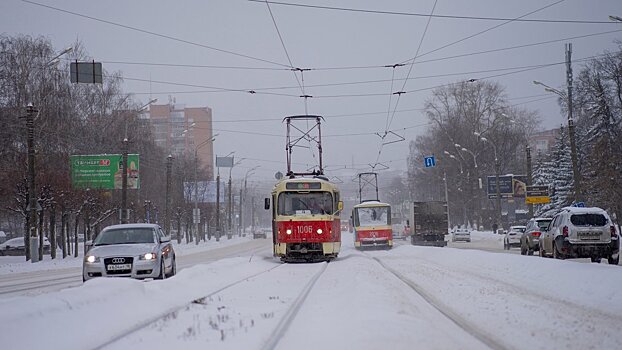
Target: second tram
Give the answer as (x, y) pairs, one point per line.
(372, 225)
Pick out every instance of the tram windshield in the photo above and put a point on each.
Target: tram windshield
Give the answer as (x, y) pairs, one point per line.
(373, 216)
(310, 203)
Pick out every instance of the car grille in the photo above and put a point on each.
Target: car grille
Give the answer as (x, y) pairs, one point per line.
(112, 261)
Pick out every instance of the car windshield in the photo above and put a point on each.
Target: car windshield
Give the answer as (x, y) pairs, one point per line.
(517, 228)
(544, 224)
(588, 220)
(125, 236)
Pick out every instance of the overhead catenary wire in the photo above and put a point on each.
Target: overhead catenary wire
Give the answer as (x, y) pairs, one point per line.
(415, 14)
(164, 36)
(483, 31)
(287, 69)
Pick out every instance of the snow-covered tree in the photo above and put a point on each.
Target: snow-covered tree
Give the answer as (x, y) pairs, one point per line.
(555, 171)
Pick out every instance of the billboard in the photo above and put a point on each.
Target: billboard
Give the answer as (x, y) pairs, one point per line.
(103, 171)
(224, 162)
(205, 192)
(510, 186)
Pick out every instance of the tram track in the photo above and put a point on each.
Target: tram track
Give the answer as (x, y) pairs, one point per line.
(168, 313)
(39, 284)
(206, 306)
(446, 311)
(291, 312)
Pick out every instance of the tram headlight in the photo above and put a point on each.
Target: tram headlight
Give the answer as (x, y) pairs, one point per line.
(319, 231)
(288, 231)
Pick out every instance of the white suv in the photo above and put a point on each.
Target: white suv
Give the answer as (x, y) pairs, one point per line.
(581, 233)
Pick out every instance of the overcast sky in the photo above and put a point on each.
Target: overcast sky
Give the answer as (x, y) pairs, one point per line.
(241, 35)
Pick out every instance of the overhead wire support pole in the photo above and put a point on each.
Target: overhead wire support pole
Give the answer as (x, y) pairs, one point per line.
(31, 243)
(571, 128)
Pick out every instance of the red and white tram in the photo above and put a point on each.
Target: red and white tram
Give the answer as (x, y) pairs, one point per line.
(305, 205)
(306, 222)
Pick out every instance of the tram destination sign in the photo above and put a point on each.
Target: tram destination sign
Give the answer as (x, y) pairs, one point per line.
(303, 186)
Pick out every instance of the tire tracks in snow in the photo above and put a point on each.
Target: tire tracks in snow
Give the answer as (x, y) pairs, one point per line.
(560, 313)
(458, 320)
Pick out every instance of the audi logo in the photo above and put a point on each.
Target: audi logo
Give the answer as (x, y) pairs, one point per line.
(118, 260)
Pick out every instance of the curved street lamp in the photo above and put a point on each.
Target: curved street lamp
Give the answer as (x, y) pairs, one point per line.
(498, 194)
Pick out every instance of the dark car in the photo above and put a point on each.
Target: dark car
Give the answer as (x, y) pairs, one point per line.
(529, 241)
(15, 246)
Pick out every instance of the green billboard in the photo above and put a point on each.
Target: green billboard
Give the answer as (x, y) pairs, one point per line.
(103, 171)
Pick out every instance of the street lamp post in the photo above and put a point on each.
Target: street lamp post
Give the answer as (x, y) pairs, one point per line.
(476, 172)
(196, 215)
(497, 165)
(243, 198)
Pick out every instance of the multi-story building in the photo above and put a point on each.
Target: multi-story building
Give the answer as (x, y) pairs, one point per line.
(180, 130)
(542, 142)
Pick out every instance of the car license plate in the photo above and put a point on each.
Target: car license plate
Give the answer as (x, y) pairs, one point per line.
(119, 267)
(588, 235)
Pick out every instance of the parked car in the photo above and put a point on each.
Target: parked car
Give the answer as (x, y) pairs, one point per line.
(513, 236)
(15, 246)
(530, 239)
(261, 233)
(130, 250)
(461, 234)
(581, 233)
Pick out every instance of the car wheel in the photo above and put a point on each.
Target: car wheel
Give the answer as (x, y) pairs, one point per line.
(173, 268)
(523, 249)
(595, 259)
(613, 261)
(162, 274)
(541, 252)
(556, 254)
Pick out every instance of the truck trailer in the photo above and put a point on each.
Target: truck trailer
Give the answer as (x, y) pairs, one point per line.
(428, 223)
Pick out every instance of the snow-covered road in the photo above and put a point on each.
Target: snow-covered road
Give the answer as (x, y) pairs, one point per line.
(409, 297)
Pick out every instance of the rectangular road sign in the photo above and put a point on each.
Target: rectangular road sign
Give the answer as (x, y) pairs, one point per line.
(537, 191)
(537, 195)
(537, 200)
(103, 171)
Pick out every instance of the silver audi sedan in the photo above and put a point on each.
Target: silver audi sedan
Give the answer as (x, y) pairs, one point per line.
(130, 250)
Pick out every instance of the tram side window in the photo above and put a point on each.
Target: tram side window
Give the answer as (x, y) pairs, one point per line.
(311, 203)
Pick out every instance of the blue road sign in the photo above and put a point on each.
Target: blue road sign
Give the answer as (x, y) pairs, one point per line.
(429, 161)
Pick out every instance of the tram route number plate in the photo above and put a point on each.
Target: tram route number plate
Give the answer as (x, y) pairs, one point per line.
(119, 267)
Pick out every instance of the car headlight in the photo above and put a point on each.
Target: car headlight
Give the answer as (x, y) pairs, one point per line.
(92, 259)
(148, 256)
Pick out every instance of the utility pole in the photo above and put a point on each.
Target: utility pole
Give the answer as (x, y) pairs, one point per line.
(498, 190)
(529, 179)
(218, 206)
(240, 215)
(167, 201)
(229, 209)
(124, 215)
(31, 244)
(571, 132)
(196, 214)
